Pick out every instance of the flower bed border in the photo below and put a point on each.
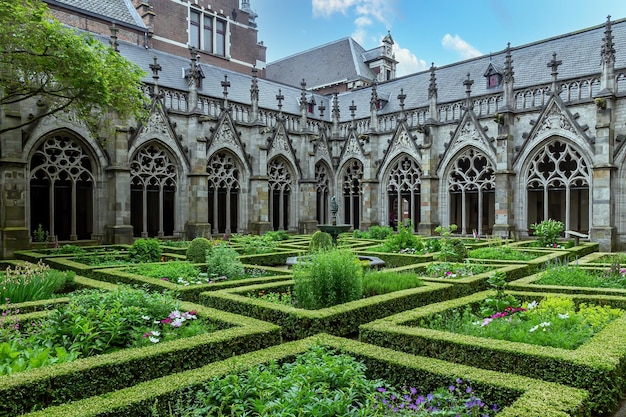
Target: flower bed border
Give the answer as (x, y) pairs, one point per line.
(598, 366)
(524, 396)
(100, 374)
(190, 292)
(528, 284)
(341, 320)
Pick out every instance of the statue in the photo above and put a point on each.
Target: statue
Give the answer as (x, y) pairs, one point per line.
(334, 207)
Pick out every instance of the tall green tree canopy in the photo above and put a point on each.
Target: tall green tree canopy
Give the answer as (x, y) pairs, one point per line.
(60, 68)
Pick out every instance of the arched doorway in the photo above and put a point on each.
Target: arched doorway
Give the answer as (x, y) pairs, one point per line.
(352, 191)
(558, 186)
(152, 191)
(471, 185)
(403, 191)
(280, 184)
(322, 189)
(224, 188)
(61, 188)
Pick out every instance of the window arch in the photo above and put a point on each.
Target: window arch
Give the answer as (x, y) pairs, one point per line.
(559, 174)
(153, 182)
(471, 184)
(224, 188)
(403, 189)
(322, 189)
(280, 184)
(352, 191)
(61, 188)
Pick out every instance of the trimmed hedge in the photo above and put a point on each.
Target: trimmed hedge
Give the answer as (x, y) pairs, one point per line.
(100, 374)
(468, 285)
(598, 366)
(278, 258)
(341, 320)
(516, 395)
(394, 260)
(528, 284)
(187, 293)
(34, 255)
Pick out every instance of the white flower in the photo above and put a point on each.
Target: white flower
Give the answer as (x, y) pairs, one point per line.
(532, 305)
(156, 333)
(145, 317)
(153, 339)
(532, 329)
(544, 324)
(564, 316)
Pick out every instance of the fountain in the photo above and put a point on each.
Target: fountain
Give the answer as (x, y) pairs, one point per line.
(334, 229)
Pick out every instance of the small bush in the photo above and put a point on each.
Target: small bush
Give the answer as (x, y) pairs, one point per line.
(145, 250)
(30, 282)
(277, 235)
(223, 261)
(320, 241)
(374, 232)
(383, 282)
(328, 278)
(404, 239)
(547, 232)
(196, 252)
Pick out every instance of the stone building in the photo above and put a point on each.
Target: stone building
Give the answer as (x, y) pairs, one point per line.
(492, 144)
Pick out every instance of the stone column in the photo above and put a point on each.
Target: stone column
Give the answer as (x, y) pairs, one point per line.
(504, 195)
(118, 229)
(369, 203)
(258, 215)
(429, 192)
(198, 223)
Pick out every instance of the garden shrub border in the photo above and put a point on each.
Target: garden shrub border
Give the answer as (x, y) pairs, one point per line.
(528, 284)
(575, 252)
(468, 285)
(101, 374)
(534, 264)
(278, 258)
(598, 366)
(523, 396)
(34, 255)
(190, 292)
(590, 258)
(395, 260)
(341, 320)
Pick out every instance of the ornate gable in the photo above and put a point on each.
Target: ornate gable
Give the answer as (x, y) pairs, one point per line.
(322, 150)
(280, 144)
(352, 148)
(554, 120)
(225, 136)
(469, 132)
(158, 126)
(402, 142)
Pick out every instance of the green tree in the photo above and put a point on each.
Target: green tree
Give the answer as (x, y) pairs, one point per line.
(61, 69)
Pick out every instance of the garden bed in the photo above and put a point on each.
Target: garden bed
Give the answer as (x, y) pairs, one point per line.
(34, 255)
(342, 319)
(100, 374)
(599, 365)
(516, 395)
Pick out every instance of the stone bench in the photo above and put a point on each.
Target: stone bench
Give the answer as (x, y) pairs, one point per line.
(576, 235)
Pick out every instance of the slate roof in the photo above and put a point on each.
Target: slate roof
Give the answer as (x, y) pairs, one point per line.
(329, 64)
(118, 11)
(579, 51)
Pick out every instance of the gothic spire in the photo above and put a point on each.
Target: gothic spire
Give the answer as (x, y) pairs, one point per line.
(508, 65)
(554, 64)
(254, 89)
(608, 48)
(432, 86)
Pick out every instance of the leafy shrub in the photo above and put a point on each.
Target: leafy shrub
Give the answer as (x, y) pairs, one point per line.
(383, 282)
(404, 239)
(328, 278)
(455, 269)
(169, 270)
(145, 250)
(40, 235)
(547, 232)
(276, 235)
(30, 282)
(255, 244)
(500, 300)
(222, 260)
(500, 252)
(320, 241)
(67, 249)
(14, 357)
(197, 250)
(574, 276)
(450, 250)
(374, 232)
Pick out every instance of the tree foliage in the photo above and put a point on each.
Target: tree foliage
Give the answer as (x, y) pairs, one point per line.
(60, 68)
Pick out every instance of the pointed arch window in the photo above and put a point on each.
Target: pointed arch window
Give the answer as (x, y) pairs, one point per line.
(352, 192)
(280, 184)
(558, 186)
(61, 188)
(471, 184)
(153, 183)
(403, 190)
(322, 189)
(224, 189)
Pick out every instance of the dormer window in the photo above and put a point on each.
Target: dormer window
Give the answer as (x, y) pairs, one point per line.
(493, 76)
(310, 103)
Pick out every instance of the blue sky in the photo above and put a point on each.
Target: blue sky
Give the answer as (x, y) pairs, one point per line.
(436, 31)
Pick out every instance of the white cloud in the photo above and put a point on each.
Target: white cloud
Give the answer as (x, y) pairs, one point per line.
(456, 43)
(329, 7)
(408, 63)
(366, 12)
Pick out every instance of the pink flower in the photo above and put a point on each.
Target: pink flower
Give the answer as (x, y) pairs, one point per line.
(166, 321)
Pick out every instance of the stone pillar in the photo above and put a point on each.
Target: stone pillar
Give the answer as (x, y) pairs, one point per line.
(504, 194)
(369, 205)
(603, 228)
(13, 231)
(429, 188)
(198, 223)
(118, 229)
(308, 204)
(258, 212)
